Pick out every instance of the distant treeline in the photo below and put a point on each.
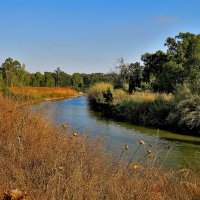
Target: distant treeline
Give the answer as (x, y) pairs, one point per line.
(158, 72)
(13, 73)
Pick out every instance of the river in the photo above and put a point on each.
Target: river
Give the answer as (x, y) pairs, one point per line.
(77, 113)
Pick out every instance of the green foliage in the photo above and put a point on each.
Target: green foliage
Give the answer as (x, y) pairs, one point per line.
(184, 50)
(37, 79)
(135, 76)
(49, 80)
(186, 114)
(13, 72)
(169, 77)
(77, 80)
(151, 113)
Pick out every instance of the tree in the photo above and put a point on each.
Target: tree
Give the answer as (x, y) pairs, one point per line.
(135, 76)
(77, 80)
(121, 74)
(57, 76)
(153, 63)
(65, 79)
(21, 75)
(38, 80)
(184, 49)
(14, 73)
(169, 77)
(49, 80)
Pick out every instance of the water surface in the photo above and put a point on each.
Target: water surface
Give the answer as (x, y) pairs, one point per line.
(78, 115)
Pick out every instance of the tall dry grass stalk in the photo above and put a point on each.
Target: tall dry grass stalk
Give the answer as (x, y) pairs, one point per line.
(149, 96)
(47, 162)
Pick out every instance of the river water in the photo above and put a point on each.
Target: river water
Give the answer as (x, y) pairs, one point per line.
(77, 113)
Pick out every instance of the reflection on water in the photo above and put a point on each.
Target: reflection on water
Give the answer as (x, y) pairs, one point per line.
(77, 113)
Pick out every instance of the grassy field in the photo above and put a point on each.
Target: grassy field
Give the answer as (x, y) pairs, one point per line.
(49, 162)
(41, 93)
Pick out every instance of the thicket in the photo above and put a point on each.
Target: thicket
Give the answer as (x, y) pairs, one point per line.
(49, 162)
(180, 112)
(185, 112)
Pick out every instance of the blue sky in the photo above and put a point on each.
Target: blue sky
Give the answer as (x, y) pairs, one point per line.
(90, 35)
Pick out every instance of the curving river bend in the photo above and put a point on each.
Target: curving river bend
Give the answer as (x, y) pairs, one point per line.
(77, 114)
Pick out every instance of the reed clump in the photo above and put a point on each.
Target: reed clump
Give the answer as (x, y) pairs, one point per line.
(46, 161)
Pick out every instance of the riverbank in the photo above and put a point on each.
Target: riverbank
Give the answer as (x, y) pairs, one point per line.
(38, 94)
(49, 162)
(179, 113)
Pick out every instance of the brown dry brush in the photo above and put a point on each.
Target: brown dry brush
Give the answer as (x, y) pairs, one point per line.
(47, 162)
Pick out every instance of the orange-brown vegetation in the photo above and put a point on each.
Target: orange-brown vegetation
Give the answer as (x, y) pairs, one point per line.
(14, 195)
(44, 93)
(48, 162)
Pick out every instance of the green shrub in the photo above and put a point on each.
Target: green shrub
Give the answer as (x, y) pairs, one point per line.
(143, 112)
(186, 114)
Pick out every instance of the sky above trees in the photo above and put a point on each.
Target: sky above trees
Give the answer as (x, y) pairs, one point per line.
(90, 35)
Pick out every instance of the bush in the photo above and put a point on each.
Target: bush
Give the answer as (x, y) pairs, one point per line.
(101, 93)
(186, 114)
(151, 113)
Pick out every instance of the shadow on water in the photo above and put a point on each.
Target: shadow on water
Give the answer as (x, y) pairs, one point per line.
(77, 113)
(148, 130)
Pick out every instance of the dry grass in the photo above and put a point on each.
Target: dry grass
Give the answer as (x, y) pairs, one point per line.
(44, 93)
(98, 91)
(120, 96)
(101, 87)
(149, 96)
(101, 93)
(49, 163)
